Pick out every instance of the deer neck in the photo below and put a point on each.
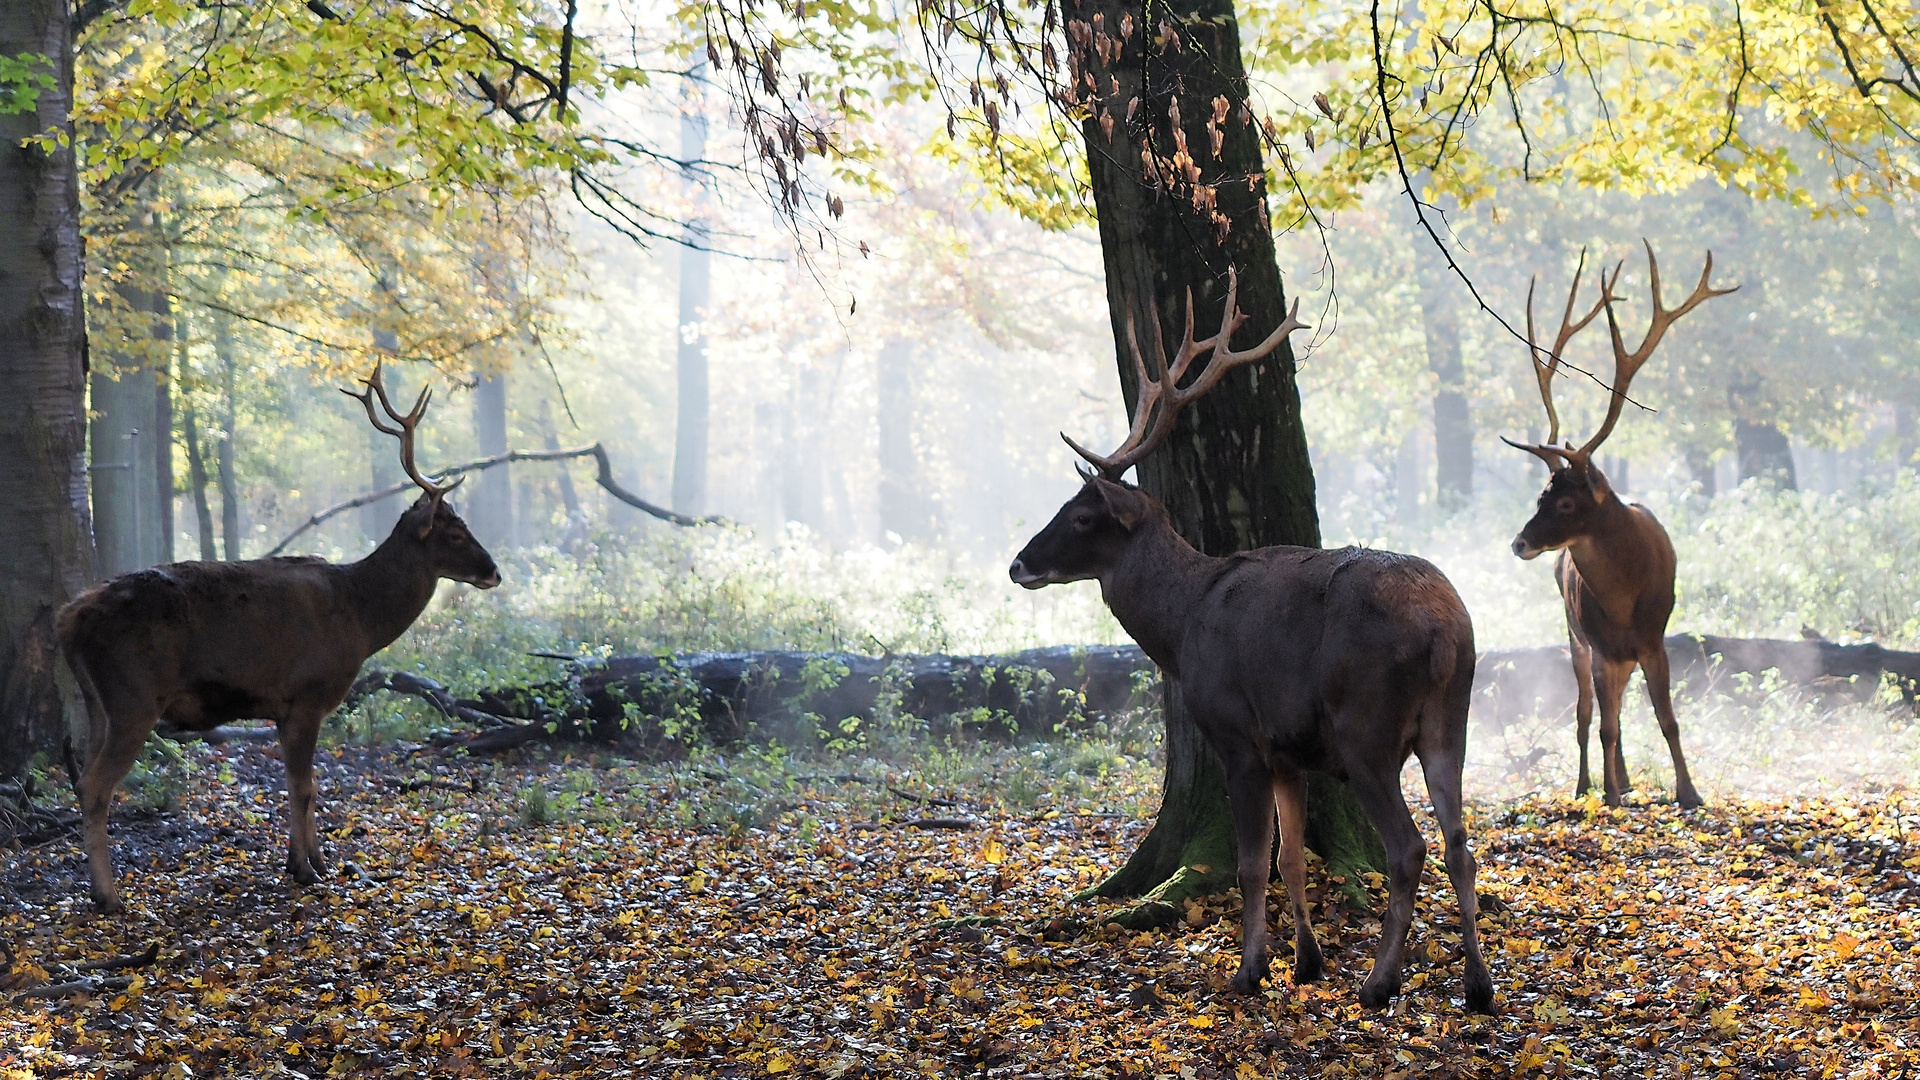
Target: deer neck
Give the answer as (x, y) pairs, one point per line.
(391, 587)
(1613, 559)
(1155, 588)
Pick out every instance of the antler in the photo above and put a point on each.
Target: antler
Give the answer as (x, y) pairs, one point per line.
(1627, 364)
(1544, 371)
(407, 422)
(1161, 396)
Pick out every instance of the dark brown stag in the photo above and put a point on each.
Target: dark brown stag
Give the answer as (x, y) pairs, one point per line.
(197, 644)
(1616, 564)
(1291, 660)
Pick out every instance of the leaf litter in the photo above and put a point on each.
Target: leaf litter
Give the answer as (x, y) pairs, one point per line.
(642, 924)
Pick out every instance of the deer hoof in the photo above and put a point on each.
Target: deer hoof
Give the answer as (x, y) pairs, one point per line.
(1691, 800)
(1378, 995)
(106, 903)
(302, 869)
(1306, 965)
(1480, 993)
(1246, 982)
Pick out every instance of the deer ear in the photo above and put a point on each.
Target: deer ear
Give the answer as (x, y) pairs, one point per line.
(1128, 505)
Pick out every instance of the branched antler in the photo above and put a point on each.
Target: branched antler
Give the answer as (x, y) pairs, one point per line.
(1161, 395)
(407, 423)
(1625, 364)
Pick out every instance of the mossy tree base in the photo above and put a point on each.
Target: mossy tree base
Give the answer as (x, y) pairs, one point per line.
(1190, 851)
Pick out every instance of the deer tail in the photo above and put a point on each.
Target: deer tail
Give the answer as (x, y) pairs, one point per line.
(97, 719)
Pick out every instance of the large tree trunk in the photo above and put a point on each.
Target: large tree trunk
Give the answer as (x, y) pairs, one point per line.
(1235, 473)
(45, 528)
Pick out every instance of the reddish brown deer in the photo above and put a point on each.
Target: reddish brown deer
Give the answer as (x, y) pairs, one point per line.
(197, 644)
(1292, 660)
(1616, 564)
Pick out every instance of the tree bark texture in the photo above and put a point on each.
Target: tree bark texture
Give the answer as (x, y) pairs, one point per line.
(490, 507)
(45, 525)
(1179, 188)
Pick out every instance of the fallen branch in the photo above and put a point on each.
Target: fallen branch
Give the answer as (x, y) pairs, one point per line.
(77, 986)
(121, 963)
(596, 451)
(930, 800)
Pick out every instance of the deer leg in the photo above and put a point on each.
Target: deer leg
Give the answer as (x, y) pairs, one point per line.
(1377, 785)
(298, 734)
(1290, 799)
(1441, 758)
(1250, 795)
(1609, 684)
(1583, 706)
(127, 723)
(1654, 666)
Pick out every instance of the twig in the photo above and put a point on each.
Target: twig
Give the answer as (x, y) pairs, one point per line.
(121, 963)
(596, 451)
(838, 778)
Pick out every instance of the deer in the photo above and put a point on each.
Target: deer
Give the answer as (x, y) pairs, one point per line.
(1616, 564)
(1291, 660)
(189, 646)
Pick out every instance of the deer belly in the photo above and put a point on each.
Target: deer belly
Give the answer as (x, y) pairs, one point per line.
(210, 704)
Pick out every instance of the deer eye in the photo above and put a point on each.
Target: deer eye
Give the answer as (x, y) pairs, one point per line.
(1564, 504)
(1082, 520)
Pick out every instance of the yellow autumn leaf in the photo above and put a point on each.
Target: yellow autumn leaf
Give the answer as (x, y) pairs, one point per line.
(780, 1063)
(1201, 1021)
(1844, 944)
(697, 882)
(993, 852)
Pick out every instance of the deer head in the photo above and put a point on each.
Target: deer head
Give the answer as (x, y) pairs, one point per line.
(1093, 528)
(449, 546)
(1577, 492)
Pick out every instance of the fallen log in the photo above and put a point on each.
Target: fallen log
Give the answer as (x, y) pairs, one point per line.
(651, 705)
(1510, 684)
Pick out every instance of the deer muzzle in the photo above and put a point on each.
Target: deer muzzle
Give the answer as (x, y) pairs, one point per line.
(1524, 549)
(1024, 577)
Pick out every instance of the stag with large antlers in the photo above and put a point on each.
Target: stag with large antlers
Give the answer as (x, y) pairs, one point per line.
(193, 645)
(1291, 660)
(1616, 563)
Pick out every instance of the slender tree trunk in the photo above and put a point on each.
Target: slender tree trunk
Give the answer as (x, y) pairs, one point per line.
(197, 478)
(490, 508)
(196, 460)
(905, 510)
(690, 427)
(1440, 326)
(229, 416)
(132, 436)
(45, 526)
(162, 442)
(1235, 473)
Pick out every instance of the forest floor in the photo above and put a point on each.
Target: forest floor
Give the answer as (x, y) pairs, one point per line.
(550, 916)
